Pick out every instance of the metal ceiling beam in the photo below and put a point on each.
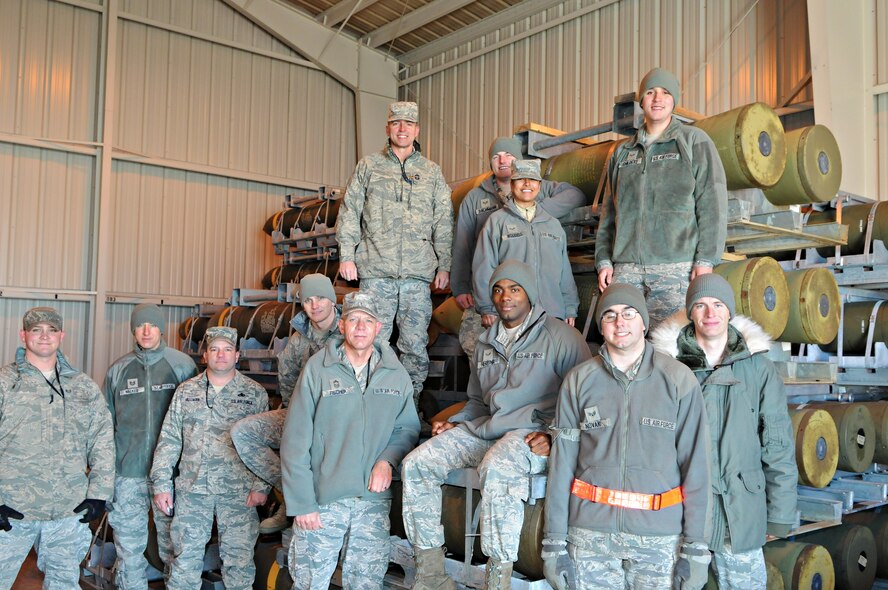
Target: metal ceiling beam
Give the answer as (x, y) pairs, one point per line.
(412, 20)
(496, 21)
(341, 10)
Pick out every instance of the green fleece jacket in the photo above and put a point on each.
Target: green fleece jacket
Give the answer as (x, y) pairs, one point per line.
(647, 435)
(138, 389)
(335, 434)
(557, 198)
(664, 203)
(540, 243)
(517, 390)
(754, 473)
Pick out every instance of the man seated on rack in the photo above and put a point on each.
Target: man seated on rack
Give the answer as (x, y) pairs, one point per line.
(516, 372)
(629, 475)
(754, 473)
(257, 438)
(138, 389)
(556, 198)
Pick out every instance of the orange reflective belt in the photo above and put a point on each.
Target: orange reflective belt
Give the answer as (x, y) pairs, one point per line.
(637, 500)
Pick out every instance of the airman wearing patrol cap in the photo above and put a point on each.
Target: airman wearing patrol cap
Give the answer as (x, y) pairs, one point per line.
(351, 422)
(56, 455)
(557, 198)
(212, 479)
(522, 231)
(395, 231)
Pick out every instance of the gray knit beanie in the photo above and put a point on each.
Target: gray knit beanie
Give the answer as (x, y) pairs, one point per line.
(517, 271)
(663, 79)
(316, 285)
(510, 145)
(147, 313)
(710, 285)
(622, 294)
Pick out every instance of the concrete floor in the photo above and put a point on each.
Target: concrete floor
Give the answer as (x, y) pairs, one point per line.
(29, 577)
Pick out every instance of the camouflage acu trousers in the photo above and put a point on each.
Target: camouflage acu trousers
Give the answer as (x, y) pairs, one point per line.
(504, 467)
(664, 286)
(356, 526)
(739, 571)
(470, 329)
(257, 439)
(238, 527)
(128, 516)
(61, 545)
(622, 560)
(409, 303)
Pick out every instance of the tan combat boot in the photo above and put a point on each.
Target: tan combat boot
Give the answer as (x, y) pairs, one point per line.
(430, 574)
(499, 575)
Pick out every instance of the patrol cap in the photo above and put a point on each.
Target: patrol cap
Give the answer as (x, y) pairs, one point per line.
(516, 271)
(710, 285)
(360, 301)
(526, 169)
(510, 145)
(222, 332)
(622, 294)
(146, 313)
(403, 111)
(663, 79)
(316, 285)
(42, 315)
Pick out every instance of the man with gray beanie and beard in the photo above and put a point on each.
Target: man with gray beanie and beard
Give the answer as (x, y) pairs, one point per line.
(257, 438)
(556, 198)
(138, 389)
(517, 368)
(629, 471)
(664, 212)
(753, 457)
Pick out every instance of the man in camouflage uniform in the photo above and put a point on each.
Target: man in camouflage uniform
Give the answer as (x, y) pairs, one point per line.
(629, 472)
(516, 371)
(664, 214)
(352, 421)
(258, 437)
(557, 198)
(56, 456)
(395, 231)
(754, 473)
(212, 479)
(138, 389)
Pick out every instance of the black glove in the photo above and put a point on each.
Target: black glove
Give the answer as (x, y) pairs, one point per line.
(558, 568)
(5, 514)
(94, 509)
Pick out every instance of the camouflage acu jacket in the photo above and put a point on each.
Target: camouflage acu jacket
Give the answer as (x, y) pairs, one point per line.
(396, 220)
(49, 440)
(196, 435)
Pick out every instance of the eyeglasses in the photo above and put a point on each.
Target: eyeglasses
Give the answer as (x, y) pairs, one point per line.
(610, 317)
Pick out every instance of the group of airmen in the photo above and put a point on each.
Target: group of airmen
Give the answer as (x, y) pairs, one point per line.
(668, 454)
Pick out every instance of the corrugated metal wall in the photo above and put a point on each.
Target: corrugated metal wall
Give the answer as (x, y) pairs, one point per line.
(881, 98)
(726, 54)
(214, 121)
